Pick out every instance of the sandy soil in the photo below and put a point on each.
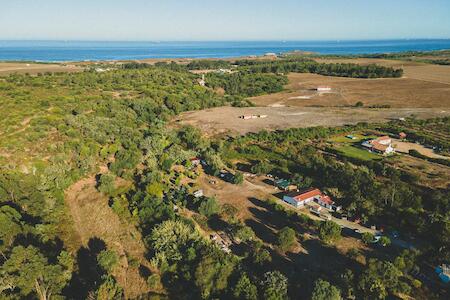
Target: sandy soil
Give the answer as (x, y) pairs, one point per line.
(397, 92)
(7, 68)
(93, 218)
(227, 119)
(404, 147)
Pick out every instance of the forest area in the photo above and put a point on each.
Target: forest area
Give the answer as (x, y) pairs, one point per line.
(58, 128)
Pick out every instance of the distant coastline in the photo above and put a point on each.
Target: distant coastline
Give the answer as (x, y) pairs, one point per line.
(78, 51)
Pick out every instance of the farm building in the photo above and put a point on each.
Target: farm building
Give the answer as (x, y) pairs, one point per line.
(324, 89)
(202, 81)
(382, 145)
(284, 185)
(198, 194)
(299, 199)
(195, 161)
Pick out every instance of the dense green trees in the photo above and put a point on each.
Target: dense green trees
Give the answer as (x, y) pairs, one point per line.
(379, 279)
(28, 271)
(208, 64)
(245, 84)
(309, 66)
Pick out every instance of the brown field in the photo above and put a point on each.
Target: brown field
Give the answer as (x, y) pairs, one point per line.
(226, 119)
(412, 70)
(398, 92)
(7, 68)
(93, 220)
(430, 174)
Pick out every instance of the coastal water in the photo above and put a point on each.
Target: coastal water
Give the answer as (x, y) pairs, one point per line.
(49, 51)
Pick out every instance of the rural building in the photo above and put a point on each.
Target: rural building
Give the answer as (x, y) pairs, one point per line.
(402, 135)
(284, 185)
(315, 209)
(382, 145)
(195, 161)
(198, 194)
(324, 89)
(325, 201)
(202, 81)
(299, 199)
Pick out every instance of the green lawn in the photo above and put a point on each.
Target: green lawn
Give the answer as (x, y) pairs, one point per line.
(346, 140)
(351, 151)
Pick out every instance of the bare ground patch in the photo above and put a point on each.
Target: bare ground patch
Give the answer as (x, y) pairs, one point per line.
(7, 68)
(227, 119)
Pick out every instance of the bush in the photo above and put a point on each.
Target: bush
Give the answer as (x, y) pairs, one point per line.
(367, 237)
(286, 238)
(107, 259)
(329, 231)
(209, 207)
(106, 184)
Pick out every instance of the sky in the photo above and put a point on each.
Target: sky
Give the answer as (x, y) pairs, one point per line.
(203, 20)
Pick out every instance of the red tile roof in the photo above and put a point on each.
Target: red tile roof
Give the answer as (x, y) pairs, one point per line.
(378, 146)
(327, 200)
(306, 194)
(382, 138)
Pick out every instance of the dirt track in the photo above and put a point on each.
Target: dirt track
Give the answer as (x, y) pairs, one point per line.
(226, 119)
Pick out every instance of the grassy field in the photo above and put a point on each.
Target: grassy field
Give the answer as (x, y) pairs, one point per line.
(354, 152)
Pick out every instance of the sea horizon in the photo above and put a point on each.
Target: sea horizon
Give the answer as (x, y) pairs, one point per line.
(91, 50)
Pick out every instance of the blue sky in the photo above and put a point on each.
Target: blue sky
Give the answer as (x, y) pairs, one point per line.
(223, 20)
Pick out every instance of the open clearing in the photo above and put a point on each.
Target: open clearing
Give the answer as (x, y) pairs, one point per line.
(404, 147)
(7, 68)
(226, 119)
(395, 92)
(94, 219)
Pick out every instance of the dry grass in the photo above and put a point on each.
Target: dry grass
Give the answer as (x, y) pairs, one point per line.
(93, 218)
(7, 68)
(430, 174)
(397, 92)
(226, 119)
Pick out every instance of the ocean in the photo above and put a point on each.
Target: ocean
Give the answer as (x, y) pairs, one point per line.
(57, 51)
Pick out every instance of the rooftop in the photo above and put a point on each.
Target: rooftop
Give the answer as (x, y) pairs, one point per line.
(305, 194)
